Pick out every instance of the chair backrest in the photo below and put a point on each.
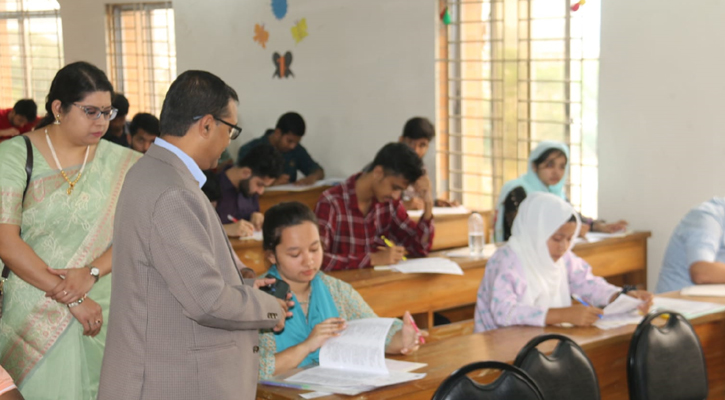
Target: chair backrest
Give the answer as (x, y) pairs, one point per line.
(666, 362)
(565, 374)
(512, 384)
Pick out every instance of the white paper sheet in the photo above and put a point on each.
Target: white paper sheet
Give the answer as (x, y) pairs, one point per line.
(356, 360)
(460, 210)
(622, 311)
(704, 290)
(690, 309)
(427, 265)
(592, 237)
(314, 395)
(360, 347)
(402, 366)
(465, 252)
(257, 235)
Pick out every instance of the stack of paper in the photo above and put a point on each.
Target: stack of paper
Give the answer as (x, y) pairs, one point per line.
(428, 265)
(622, 311)
(688, 308)
(592, 237)
(355, 361)
(704, 290)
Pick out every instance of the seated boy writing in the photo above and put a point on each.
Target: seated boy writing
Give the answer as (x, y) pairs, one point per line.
(241, 186)
(354, 216)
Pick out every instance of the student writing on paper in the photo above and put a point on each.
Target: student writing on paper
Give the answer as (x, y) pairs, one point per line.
(241, 186)
(322, 304)
(286, 137)
(530, 280)
(355, 214)
(547, 172)
(418, 132)
(695, 254)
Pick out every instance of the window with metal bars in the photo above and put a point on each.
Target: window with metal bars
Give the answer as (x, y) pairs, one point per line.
(142, 53)
(31, 49)
(512, 73)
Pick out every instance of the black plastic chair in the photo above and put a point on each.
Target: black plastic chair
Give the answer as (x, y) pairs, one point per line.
(512, 384)
(565, 374)
(666, 363)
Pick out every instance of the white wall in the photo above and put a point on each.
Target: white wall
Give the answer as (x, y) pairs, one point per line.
(661, 113)
(365, 67)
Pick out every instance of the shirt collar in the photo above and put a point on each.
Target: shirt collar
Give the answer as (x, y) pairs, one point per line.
(188, 161)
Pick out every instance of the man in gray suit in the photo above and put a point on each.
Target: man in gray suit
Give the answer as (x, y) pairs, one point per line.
(183, 322)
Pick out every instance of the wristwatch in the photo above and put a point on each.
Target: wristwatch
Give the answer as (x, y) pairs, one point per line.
(628, 288)
(95, 272)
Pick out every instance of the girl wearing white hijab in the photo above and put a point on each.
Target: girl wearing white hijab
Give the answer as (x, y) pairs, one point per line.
(531, 279)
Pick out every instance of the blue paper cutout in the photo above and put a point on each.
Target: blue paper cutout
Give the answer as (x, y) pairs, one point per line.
(279, 8)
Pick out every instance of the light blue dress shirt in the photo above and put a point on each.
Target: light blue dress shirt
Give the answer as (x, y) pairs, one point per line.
(698, 237)
(188, 161)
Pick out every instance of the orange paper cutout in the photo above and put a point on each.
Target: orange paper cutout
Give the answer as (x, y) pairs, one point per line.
(261, 36)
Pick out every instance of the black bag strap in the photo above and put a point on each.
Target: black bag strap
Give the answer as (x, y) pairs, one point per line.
(28, 172)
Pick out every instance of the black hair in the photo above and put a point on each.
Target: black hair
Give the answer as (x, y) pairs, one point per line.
(572, 219)
(264, 160)
(194, 94)
(291, 122)
(545, 155)
(399, 159)
(72, 83)
(419, 128)
(212, 187)
(120, 103)
(281, 216)
(511, 209)
(27, 108)
(147, 122)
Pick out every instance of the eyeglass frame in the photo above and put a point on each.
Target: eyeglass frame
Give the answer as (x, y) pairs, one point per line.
(235, 132)
(112, 112)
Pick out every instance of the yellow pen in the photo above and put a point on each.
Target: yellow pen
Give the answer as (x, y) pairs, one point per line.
(389, 244)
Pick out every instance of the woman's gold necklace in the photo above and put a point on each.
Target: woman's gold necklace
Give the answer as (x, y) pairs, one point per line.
(72, 184)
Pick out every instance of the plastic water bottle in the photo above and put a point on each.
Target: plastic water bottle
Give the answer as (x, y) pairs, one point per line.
(475, 234)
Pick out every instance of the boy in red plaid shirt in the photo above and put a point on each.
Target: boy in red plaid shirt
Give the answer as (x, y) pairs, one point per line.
(356, 214)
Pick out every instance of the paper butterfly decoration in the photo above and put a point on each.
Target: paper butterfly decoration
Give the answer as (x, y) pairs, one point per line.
(299, 31)
(282, 65)
(261, 36)
(575, 6)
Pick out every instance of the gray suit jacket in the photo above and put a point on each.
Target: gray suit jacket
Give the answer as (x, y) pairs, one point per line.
(182, 324)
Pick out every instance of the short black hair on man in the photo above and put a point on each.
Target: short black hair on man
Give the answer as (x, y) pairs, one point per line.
(194, 94)
(419, 128)
(291, 122)
(264, 160)
(399, 159)
(120, 102)
(148, 122)
(27, 108)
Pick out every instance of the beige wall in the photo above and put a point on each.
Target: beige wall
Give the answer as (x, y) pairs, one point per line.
(365, 67)
(661, 119)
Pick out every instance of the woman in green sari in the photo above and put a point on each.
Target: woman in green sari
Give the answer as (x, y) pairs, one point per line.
(57, 241)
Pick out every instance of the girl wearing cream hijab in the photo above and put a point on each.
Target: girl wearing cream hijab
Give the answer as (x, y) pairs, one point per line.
(530, 280)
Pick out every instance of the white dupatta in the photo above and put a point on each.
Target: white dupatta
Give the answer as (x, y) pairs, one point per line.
(540, 215)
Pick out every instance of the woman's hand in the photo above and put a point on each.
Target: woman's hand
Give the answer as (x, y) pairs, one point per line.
(89, 315)
(643, 295)
(619, 226)
(411, 338)
(324, 330)
(77, 282)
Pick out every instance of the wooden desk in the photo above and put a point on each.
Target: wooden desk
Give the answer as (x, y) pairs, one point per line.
(390, 294)
(606, 349)
(307, 197)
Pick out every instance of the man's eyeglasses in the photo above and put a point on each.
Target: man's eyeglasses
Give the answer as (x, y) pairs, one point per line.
(93, 113)
(234, 132)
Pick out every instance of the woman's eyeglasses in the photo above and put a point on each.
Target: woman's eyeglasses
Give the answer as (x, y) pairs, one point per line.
(93, 113)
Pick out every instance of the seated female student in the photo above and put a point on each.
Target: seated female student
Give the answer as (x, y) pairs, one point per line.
(548, 168)
(531, 279)
(322, 304)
